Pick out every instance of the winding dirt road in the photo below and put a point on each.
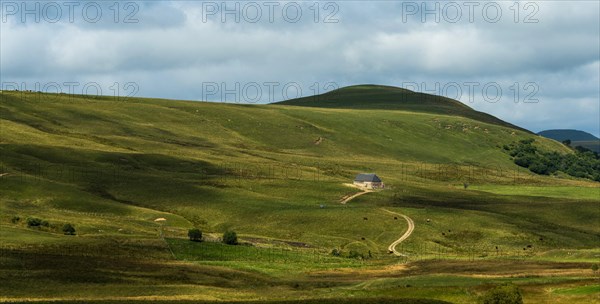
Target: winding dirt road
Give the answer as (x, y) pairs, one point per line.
(409, 231)
(354, 196)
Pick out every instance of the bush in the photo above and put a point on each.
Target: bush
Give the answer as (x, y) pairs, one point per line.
(526, 141)
(195, 235)
(68, 229)
(507, 294)
(230, 238)
(524, 160)
(33, 222)
(336, 252)
(15, 219)
(583, 163)
(539, 168)
(45, 223)
(355, 255)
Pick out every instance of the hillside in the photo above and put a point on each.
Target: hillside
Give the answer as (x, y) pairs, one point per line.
(376, 97)
(577, 138)
(573, 135)
(275, 174)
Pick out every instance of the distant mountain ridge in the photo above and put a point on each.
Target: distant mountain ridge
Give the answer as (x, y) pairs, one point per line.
(380, 97)
(577, 138)
(564, 134)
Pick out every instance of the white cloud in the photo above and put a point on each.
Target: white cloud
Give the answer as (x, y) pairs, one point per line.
(172, 51)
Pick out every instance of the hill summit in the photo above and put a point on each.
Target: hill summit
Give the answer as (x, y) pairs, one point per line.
(379, 97)
(564, 134)
(577, 138)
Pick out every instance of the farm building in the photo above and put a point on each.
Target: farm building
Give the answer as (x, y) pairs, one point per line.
(368, 181)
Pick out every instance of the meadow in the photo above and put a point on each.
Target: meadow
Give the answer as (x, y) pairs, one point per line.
(275, 174)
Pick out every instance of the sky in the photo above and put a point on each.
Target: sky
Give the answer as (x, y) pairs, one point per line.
(532, 63)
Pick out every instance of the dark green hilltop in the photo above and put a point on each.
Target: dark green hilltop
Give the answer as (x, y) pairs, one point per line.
(577, 138)
(380, 97)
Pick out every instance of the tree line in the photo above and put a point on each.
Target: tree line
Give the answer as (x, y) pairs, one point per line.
(583, 163)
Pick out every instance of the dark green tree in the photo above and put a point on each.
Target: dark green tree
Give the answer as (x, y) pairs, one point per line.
(68, 229)
(33, 222)
(230, 238)
(195, 235)
(507, 294)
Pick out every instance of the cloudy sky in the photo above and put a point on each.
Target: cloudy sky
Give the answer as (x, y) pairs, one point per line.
(535, 64)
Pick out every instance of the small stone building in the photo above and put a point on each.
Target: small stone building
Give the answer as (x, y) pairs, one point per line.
(368, 181)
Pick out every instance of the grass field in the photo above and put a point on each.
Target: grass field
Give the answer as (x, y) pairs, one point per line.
(275, 174)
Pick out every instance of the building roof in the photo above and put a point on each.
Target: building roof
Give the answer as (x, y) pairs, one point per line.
(367, 177)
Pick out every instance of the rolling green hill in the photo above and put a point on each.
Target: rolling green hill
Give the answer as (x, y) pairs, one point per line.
(275, 174)
(577, 138)
(573, 135)
(593, 145)
(393, 98)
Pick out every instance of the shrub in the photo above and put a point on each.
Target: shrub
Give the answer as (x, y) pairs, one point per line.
(68, 229)
(507, 294)
(230, 238)
(526, 141)
(354, 254)
(15, 219)
(195, 235)
(45, 223)
(539, 168)
(524, 160)
(583, 163)
(336, 252)
(33, 222)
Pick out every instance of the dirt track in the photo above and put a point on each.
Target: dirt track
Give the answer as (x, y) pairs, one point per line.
(354, 196)
(409, 231)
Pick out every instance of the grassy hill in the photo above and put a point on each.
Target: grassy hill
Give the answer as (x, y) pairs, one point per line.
(573, 135)
(593, 145)
(577, 138)
(275, 174)
(393, 98)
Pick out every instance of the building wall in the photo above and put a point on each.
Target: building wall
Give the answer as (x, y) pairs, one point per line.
(368, 185)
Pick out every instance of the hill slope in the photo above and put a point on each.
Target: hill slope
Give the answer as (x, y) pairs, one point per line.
(578, 138)
(275, 174)
(564, 134)
(171, 155)
(376, 97)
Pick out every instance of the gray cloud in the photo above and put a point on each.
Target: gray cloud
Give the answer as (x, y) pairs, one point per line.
(176, 46)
